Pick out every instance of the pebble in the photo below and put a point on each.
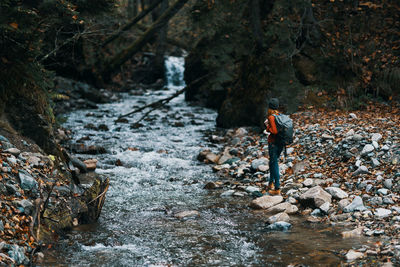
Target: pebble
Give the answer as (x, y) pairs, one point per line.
(367, 149)
(227, 193)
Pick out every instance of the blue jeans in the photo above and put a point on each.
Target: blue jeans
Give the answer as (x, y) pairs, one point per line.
(274, 151)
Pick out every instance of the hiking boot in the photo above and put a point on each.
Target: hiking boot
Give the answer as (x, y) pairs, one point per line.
(274, 192)
(270, 186)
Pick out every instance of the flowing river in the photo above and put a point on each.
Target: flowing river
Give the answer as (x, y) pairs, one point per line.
(159, 177)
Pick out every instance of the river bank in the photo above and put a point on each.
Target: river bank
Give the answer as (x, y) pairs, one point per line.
(342, 169)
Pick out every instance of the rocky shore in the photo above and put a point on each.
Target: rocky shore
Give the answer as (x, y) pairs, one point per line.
(342, 169)
(42, 195)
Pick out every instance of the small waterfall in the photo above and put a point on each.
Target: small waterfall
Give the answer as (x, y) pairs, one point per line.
(175, 67)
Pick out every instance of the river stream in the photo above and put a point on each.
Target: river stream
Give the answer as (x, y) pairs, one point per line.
(159, 177)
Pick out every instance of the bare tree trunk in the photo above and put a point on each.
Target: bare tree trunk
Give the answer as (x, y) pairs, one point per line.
(256, 23)
(111, 66)
(132, 8)
(131, 23)
(158, 66)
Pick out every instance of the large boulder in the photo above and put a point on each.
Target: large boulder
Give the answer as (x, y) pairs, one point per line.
(315, 197)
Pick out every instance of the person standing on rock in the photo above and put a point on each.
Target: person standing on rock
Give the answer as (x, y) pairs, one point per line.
(274, 147)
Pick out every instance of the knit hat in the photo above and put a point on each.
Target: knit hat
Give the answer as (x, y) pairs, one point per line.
(273, 103)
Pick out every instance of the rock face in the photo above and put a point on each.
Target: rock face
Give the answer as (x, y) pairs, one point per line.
(315, 197)
(265, 202)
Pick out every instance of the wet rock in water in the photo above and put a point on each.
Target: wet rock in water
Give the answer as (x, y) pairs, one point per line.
(14, 151)
(90, 164)
(121, 120)
(315, 197)
(279, 226)
(353, 233)
(103, 127)
(26, 181)
(187, 214)
(336, 192)
(279, 217)
(202, 154)
(93, 150)
(382, 213)
(210, 185)
(227, 193)
(211, 157)
(266, 202)
(283, 207)
(353, 255)
(78, 164)
(356, 205)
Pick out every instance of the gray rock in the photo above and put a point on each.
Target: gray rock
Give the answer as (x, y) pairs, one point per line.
(266, 202)
(3, 139)
(26, 205)
(375, 144)
(396, 209)
(27, 182)
(356, 205)
(361, 170)
(255, 164)
(317, 213)
(353, 233)
(357, 137)
(187, 214)
(11, 189)
(327, 137)
(79, 164)
(6, 145)
(376, 137)
(279, 217)
(385, 148)
(336, 192)
(382, 213)
(388, 200)
(227, 193)
(353, 255)
(375, 163)
(14, 151)
(283, 207)
(17, 254)
(376, 201)
(12, 160)
(367, 149)
(382, 191)
(308, 182)
(315, 196)
(251, 189)
(343, 203)
(352, 115)
(1, 226)
(325, 207)
(279, 226)
(388, 183)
